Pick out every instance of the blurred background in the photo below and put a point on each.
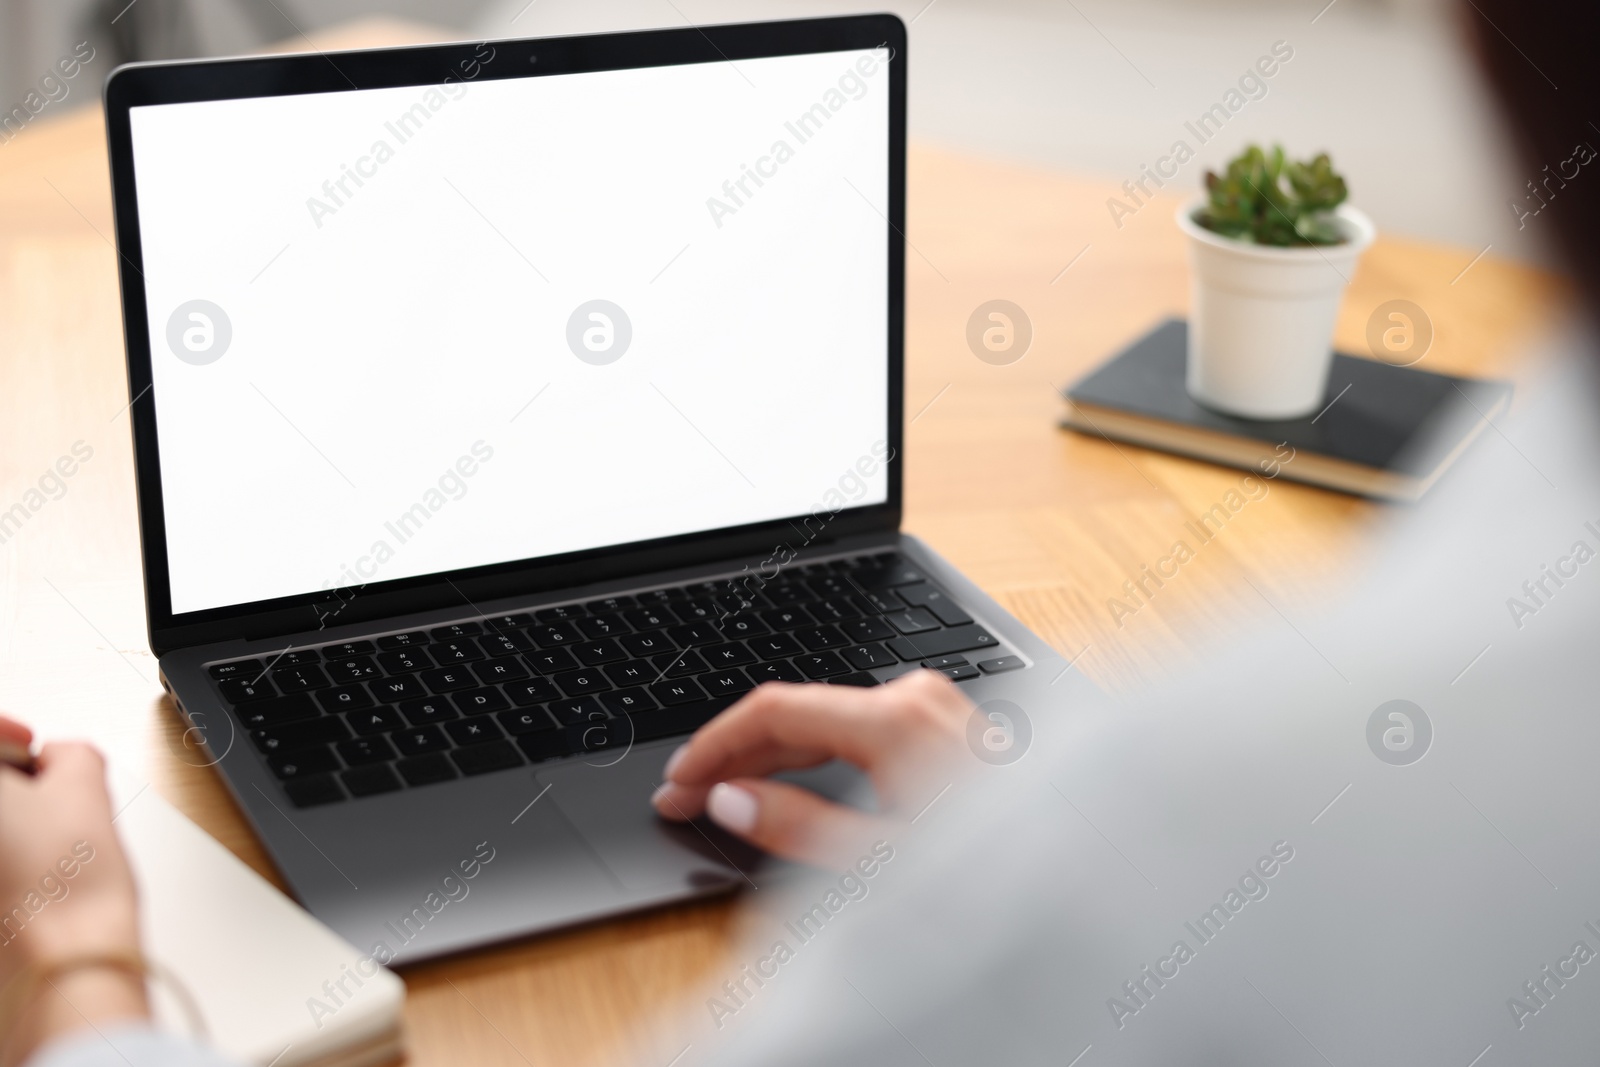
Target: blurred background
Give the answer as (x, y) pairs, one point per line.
(1098, 87)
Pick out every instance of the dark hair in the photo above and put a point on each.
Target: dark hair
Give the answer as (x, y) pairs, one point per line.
(1540, 59)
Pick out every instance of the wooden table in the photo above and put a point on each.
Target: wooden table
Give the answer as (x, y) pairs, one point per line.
(1049, 522)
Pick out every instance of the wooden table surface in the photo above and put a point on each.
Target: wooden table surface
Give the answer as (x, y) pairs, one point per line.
(1049, 522)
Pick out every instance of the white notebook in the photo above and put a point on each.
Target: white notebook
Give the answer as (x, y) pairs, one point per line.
(254, 961)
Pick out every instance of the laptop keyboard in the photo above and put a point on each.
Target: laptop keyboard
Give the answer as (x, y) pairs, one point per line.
(403, 710)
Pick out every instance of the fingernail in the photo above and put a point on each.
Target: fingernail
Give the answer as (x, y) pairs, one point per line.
(675, 759)
(732, 808)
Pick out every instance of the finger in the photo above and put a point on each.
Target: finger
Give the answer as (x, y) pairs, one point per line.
(819, 721)
(77, 761)
(15, 732)
(792, 822)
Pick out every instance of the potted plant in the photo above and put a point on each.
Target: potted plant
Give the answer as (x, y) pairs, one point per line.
(1271, 247)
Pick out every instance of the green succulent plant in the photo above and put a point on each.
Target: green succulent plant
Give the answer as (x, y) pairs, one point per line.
(1267, 200)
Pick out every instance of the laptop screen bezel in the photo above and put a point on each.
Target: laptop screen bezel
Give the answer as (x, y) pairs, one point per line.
(286, 75)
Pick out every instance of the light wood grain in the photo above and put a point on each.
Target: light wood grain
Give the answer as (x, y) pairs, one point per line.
(1051, 523)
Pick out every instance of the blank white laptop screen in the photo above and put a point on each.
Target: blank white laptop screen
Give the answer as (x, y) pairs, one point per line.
(404, 331)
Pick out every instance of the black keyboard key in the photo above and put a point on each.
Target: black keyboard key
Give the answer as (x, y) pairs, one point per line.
(393, 690)
(650, 617)
(627, 701)
(405, 661)
(395, 642)
(888, 570)
(583, 709)
(449, 679)
(787, 618)
(923, 595)
(881, 601)
(775, 646)
(680, 665)
(634, 672)
(506, 644)
(419, 740)
(559, 613)
(544, 746)
(532, 691)
(244, 690)
(598, 626)
(550, 660)
(370, 781)
(863, 657)
(1001, 663)
(300, 679)
(650, 644)
(682, 691)
(913, 621)
(507, 624)
(239, 668)
(457, 631)
(942, 642)
(864, 630)
(596, 653)
(344, 698)
(601, 735)
(290, 736)
(311, 792)
(696, 610)
(960, 674)
(352, 669)
(293, 657)
(821, 664)
(365, 750)
(726, 683)
(425, 770)
(519, 721)
(480, 701)
(278, 711)
(732, 654)
(681, 719)
(829, 584)
(348, 649)
(741, 598)
(482, 759)
(610, 605)
(555, 635)
(858, 678)
(691, 634)
(817, 638)
(500, 670)
(939, 663)
(375, 720)
(778, 671)
(448, 653)
(428, 710)
(577, 683)
(654, 598)
(304, 762)
(784, 594)
(743, 625)
(837, 609)
(473, 731)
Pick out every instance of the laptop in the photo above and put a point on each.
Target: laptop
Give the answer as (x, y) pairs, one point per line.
(503, 412)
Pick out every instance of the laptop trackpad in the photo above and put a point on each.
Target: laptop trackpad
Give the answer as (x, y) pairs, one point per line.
(610, 808)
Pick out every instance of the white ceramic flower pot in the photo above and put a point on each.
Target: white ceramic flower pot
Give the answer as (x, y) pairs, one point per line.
(1261, 319)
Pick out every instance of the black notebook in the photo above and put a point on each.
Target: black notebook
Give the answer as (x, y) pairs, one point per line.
(1381, 431)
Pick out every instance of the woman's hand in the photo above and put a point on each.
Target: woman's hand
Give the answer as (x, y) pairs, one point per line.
(906, 736)
(65, 891)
